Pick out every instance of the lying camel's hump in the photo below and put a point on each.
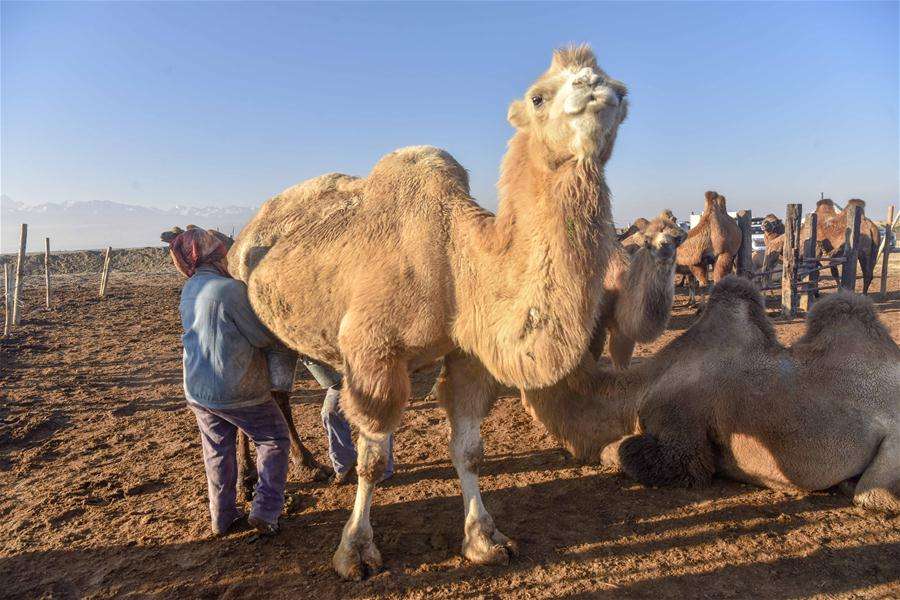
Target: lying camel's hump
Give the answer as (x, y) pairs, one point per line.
(337, 241)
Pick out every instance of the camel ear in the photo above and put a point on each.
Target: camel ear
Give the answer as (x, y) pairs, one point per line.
(517, 115)
(711, 196)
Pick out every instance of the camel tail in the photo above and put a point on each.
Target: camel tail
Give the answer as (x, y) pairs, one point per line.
(655, 463)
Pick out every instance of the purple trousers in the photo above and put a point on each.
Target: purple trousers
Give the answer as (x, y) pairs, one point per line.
(265, 426)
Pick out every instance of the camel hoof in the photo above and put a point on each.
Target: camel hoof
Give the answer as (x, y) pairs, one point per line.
(495, 549)
(356, 561)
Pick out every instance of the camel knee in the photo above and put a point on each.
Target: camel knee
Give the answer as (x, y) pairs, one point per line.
(373, 399)
(372, 456)
(467, 452)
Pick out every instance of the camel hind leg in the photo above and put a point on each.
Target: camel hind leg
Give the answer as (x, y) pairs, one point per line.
(376, 389)
(467, 393)
(246, 468)
(878, 487)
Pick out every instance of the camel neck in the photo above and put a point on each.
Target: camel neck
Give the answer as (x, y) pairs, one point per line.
(530, 278)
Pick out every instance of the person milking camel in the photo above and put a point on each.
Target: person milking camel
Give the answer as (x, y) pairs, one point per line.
(227, 383)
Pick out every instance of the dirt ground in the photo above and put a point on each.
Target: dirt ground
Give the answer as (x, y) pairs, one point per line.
(102, 492)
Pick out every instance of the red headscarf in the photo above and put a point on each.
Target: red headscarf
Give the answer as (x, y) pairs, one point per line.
(197, 247)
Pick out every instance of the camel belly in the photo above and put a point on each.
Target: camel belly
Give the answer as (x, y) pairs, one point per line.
(796, 461)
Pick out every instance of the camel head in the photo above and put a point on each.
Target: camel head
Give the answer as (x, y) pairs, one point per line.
(772, 224)
(662, 237)
(572, 111)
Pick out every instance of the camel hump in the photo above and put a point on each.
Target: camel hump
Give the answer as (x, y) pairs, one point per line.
(736, 289)
(857, 202)
(418, 165)
(843, 312)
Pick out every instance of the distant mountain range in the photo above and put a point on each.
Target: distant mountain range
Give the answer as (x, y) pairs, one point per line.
(97, 224)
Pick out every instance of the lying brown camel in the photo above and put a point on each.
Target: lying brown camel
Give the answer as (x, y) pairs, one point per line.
(726, 398)
(831, 237)
(379, 276)
(715, 241)
(638, 290)
(305, 464)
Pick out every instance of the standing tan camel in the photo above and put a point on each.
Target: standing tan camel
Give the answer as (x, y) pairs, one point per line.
(638, 290)
(725, 397)
(381, 275)
(831, 237)
(715, 241)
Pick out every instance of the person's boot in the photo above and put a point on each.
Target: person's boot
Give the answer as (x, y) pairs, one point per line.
(263, 527)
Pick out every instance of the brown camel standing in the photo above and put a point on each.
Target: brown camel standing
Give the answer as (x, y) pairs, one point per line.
(831, 238)
(715, 241)
(381, 275)
(638, 290)
(725, 397)
(773, 234)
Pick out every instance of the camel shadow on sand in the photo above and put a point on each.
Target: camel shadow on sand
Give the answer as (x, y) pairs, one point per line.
(571, 530)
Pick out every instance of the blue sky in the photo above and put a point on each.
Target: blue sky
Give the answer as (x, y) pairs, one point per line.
(226, 103)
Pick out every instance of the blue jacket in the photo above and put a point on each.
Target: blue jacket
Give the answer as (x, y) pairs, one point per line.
(225, 365)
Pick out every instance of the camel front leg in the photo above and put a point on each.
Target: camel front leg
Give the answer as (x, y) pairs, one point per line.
(467, 392)
(357, 556)
(375, 392)
(722, 268)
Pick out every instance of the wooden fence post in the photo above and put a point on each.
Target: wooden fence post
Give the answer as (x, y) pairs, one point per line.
(809, 254)
(851, 247)
(104, 277)
(7, 300)
(789, 260)
(20, 266)
(888, 248)
(47, 271)
(745, 253)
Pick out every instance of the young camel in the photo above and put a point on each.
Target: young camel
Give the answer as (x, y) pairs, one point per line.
(715, 241)
(638, 290)
(726, 398)
(831, 237)
(382, 275)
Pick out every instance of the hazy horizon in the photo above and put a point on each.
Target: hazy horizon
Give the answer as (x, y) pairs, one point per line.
(227, 104)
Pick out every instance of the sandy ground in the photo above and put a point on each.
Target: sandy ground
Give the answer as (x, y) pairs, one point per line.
(102, 491)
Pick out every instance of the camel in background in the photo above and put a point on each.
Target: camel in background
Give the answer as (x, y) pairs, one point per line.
(726, 398)
(715, 241)
(831, 227)
(638, 290)
(381, 275)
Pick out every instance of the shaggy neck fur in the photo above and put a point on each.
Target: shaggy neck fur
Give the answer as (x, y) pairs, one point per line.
(533, 273)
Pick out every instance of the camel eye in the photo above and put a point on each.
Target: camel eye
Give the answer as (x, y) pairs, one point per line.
(537, 101)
